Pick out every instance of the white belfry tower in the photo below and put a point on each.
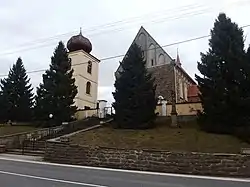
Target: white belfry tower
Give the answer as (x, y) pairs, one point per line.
(85, 68)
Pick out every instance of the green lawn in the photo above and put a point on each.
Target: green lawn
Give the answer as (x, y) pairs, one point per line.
(6, 130)
(187, 138)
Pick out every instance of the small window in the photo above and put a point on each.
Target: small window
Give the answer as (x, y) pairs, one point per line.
(88, 87)
(89, 68)
(152, 62)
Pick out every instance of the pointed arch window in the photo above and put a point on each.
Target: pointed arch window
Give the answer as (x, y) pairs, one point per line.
(181, 88)
(161, 59)
(151, 52)
(185, 91)
(88, 87)
(89, 68)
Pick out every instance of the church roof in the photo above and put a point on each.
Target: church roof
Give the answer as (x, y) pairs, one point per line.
(79, 42)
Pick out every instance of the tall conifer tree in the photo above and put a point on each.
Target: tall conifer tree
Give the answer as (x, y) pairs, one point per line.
(223, 72)
(134, 95)
(57, 92)
(17, 94)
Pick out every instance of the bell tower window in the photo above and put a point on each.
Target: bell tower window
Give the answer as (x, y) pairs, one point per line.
(89, 68)
(88, 87)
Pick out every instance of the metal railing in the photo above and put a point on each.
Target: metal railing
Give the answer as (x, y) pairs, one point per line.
(54, 132)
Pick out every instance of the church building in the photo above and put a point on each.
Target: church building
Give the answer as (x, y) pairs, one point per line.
(85, 67)
(169, 75)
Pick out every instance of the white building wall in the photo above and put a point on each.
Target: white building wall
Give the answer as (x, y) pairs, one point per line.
(102, 106)
(79, 61)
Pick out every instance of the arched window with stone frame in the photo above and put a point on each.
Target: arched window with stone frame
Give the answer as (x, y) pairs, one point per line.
(88, 88)
(151, 54)
(89, 67)
(186, 91)
(142, 43)
(181, 88)
(161, 59)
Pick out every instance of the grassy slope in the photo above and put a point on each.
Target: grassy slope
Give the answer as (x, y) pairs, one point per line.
(6, 130)
(187, 138)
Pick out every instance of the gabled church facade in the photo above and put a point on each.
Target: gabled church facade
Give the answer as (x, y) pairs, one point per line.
(168, 73)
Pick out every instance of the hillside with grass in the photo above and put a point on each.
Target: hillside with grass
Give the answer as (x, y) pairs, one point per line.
(186, 138)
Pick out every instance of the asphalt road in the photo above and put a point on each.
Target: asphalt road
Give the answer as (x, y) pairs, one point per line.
(14, 173)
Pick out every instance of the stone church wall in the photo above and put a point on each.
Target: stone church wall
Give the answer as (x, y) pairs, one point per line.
(161, 65)
(164, 80)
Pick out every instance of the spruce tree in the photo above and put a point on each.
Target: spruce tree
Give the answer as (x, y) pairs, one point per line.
(245, 91)
(2, 109)
(17, 94)
(57, 92)
(248, 55)
(223, 73)
(134, 95)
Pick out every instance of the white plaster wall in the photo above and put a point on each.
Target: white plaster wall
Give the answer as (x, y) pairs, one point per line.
(79, 60)
(102, 105)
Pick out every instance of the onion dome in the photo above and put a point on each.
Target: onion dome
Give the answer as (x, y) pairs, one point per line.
(79, 42)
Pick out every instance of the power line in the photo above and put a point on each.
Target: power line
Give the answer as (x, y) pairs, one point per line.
(156, 21)
(120, 29)
(112, 24)
(186, 7)
(167, 45)
(46, 44)
(122, 55)
(165, 18)
(185, 15)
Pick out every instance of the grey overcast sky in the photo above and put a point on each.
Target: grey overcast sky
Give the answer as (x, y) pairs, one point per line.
(31, 29)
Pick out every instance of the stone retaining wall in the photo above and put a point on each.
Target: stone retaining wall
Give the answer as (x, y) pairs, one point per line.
(150, 160)
(13, 141)
(16, 140)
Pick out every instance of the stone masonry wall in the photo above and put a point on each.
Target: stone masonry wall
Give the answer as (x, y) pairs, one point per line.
(150, 160)
(13, 141)
(164, 80)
